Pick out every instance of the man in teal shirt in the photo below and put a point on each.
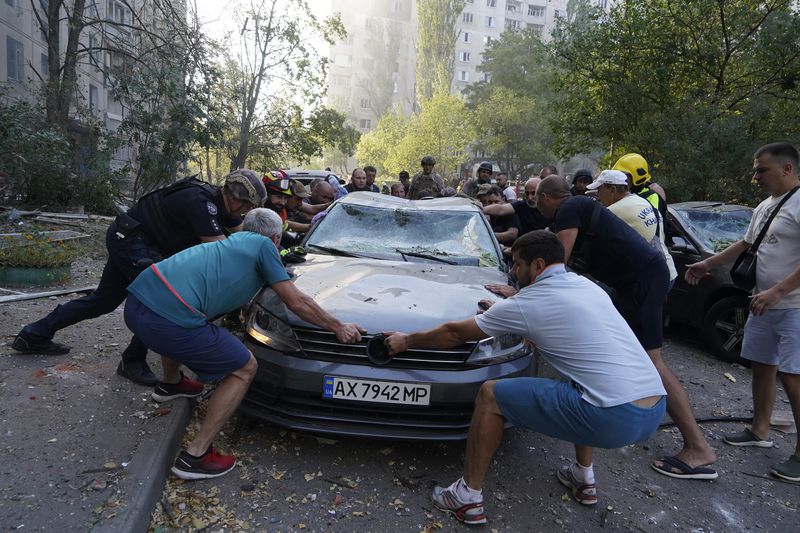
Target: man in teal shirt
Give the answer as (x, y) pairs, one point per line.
(171, 305)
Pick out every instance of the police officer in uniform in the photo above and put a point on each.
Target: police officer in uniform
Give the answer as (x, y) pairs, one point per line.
(635, 166)
(159, 225)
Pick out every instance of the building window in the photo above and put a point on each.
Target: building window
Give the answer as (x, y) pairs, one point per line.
(364, 123)
(341, 81)
(464, 56)
(513, 25)
(511, 7)
(15, 59)
(92, 98)
(467, 18)
(116, 12)
(365, 103)
(463, 75)
(535, 11)
(486, 77)
(491, 3)
(397, 6)
(490, 22)
(342, 60)
(557, 13)
(12, 3)
(487, 39)
(44, 67)
(466, 37)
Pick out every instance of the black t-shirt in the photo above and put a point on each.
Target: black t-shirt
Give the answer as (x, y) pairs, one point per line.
(351, 188)
(190, 213)
(617, 253)
(503, 223)
(530, 218)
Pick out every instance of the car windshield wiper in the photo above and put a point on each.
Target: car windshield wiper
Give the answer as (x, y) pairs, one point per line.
(405, 253)
(336, 251)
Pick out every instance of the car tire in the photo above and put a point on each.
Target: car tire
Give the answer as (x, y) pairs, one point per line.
(723, 327)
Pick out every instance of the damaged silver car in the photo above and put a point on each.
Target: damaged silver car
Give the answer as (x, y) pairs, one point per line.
(387, 264)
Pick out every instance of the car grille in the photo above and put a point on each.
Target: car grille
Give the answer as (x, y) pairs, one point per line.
(302, 411)
(324, 346)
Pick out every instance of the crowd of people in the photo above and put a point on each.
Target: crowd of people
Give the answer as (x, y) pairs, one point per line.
(589, 246)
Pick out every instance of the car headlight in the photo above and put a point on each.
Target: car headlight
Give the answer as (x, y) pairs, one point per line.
(498, 350)
(267, 323)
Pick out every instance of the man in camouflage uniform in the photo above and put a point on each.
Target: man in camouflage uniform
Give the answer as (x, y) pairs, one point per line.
(427, 181)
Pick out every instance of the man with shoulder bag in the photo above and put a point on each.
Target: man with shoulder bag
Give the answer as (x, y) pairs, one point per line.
(770, 248)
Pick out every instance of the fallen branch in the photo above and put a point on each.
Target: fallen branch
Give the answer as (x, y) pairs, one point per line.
(36, 295)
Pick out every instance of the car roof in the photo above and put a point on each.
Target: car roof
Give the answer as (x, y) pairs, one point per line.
(707, 206)
(299, 173)
(374, 199)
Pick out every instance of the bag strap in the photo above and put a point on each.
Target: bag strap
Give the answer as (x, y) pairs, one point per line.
(596, 209)
(757, 243)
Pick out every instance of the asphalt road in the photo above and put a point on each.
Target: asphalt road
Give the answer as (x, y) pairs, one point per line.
(289, 481)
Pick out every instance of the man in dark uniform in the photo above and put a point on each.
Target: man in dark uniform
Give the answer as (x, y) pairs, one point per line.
(159, 225)
(425, 182)
(483, 176)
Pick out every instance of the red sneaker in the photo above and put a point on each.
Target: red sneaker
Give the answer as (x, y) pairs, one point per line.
(185, 388)
(210, 464)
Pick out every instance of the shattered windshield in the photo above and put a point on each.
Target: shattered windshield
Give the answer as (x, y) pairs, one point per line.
(457, 237)
(717, 228)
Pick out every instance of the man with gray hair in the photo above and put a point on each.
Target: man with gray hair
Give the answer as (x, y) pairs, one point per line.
(171, 306)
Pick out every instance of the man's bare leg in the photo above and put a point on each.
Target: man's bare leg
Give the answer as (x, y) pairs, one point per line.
(791, 384)
(583, 454)
(696, 450)
(485, 434)
(172, 373)
(221, 406)
(764, 391)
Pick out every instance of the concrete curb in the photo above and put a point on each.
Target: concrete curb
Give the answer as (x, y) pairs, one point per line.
(147, 472)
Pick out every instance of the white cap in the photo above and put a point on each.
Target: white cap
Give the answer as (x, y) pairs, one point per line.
(611, 177)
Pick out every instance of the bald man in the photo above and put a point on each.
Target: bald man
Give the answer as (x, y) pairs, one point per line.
(530, 218)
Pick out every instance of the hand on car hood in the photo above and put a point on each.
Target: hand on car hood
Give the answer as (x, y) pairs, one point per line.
(394, 296)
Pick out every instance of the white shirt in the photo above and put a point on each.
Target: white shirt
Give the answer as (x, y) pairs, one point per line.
(579, 333)
(640, 215)
(509, 193)
(779, 252)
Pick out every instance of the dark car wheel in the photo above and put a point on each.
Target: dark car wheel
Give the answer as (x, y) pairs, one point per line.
(723, 327)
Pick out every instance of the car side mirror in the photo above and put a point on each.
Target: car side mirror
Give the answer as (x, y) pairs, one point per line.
(679, 244)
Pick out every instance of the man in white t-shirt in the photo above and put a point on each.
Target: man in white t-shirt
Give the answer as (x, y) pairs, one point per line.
(614, 396)
(613, 192)
(508, 191)
(772, 332)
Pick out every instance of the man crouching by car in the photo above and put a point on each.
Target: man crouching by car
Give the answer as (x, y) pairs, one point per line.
(171, 305)
(614, 396)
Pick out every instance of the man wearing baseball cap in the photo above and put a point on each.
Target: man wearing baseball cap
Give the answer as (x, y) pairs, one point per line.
(160, 224)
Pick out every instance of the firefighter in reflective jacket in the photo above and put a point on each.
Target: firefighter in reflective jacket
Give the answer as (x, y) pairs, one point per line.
(641, 183)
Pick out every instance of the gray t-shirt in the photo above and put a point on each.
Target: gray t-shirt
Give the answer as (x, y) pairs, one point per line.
(579, 333)
(779, 252)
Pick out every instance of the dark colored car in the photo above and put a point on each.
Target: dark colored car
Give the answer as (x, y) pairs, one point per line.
(307, 176)
(387, 264)
(696, 230)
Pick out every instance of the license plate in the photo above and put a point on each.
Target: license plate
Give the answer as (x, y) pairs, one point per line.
(364, 390)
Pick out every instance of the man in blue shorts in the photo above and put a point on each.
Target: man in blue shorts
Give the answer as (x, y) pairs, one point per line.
(772, 332)
(614, 396)
(171, 305)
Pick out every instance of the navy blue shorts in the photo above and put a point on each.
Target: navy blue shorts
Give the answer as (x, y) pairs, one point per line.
(210, 351)
(556, 409)
(641, 303)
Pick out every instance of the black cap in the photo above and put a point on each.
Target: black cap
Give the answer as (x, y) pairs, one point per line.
(486, 166)
(582, 174)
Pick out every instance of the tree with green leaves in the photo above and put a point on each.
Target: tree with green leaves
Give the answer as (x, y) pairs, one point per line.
(436, 44)
(276, 60)
(694, 87)
(443, 128)
(513, 107)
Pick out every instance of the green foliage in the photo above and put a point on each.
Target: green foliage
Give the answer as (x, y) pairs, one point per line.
(695, 87)
(442, 128)
(436, 42)
(513, 110)
(48, 166)
(37, 251)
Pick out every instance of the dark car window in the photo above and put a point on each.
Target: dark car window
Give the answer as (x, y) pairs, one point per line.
(716, 229)
(379, 232)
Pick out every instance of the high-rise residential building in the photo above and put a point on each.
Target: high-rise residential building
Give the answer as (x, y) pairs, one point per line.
(372, 70)
(102, 45)
(482, 21)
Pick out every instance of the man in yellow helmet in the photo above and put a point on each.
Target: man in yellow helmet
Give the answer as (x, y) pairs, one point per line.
(641, 183)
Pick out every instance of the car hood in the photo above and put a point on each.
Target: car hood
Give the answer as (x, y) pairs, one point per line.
(393, 296)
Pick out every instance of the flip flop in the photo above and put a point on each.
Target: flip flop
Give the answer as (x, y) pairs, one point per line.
(684, 471)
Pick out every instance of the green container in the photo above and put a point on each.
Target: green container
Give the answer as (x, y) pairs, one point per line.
(26, 276)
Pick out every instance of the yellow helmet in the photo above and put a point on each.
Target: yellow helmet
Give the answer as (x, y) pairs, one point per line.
(635, 166)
